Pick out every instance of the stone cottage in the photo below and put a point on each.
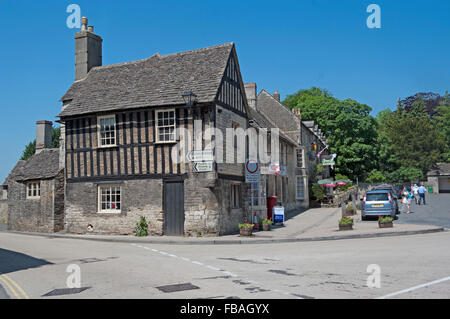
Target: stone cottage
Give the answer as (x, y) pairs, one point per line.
(33, 192)
(123, 125)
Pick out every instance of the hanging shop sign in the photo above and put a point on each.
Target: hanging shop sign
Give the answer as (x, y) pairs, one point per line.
(329, 160)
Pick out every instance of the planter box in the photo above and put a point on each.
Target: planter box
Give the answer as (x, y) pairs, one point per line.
(246, 231)
(386, 224)
(266, 227)
(345, 226)
(347, 213)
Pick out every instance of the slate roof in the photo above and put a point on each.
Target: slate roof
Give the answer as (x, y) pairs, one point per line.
(265, 123)
(439, 169)
(43, 165)
(156, 81)
(279, 114)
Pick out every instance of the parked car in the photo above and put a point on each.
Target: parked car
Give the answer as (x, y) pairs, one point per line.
(399, 189)
(378, 202)
(395, 194)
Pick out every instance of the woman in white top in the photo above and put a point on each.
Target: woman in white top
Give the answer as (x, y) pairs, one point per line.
(406, 201)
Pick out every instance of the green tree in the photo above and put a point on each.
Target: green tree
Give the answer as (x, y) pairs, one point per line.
(30, 148)
(405, 175)
(375, 176)
(348, 126)
(416, 141)
(442, 120)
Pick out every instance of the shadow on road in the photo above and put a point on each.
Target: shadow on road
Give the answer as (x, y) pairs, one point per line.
(11, 261)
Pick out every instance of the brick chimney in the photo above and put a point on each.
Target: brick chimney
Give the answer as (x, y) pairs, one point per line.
(276, 96)
(43, 135)
(250, 92)
(88, 50)
(297, 112)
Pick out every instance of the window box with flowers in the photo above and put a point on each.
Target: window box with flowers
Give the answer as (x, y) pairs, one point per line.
(385, 222)
(246, 229)
(346, 223)
(267, 223)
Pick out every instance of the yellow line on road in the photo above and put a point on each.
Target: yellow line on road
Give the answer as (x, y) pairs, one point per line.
(9, 287)
(17, 286)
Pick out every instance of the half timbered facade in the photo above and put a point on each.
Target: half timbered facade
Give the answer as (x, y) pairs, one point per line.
(126, 132)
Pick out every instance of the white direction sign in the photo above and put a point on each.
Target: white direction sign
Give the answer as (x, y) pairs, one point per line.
(251, 171)
(198, 156)
(202, 167)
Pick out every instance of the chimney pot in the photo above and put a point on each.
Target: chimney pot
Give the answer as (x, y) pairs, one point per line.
(84, 22)
(276, 95)
(91, 28)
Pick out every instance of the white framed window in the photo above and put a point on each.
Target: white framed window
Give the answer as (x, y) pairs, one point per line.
(257, 193)
(235, 196)
(165, 126)
(300, 158)
(300, 188)
(106, 130)
(34, 190)
(109, 198)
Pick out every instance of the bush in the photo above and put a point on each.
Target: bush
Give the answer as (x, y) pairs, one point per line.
(375, 176)
(382, 219)
(349, 208)
(317, 191)
(345, 220)
(142, 227)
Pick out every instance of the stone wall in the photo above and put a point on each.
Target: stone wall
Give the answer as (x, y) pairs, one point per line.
(138, 198)
(34, 215)
(3, 211)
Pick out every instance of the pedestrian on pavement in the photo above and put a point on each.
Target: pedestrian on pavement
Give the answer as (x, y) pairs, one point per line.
(422, 190)
(415, 190)
(406, 200)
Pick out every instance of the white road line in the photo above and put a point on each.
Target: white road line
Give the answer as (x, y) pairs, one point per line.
(213, 268)
(414, 288)
(185, 259)
(197, 263)
(155, 250)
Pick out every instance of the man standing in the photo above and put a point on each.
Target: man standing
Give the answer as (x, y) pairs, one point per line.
(421, 192)
(415, 191)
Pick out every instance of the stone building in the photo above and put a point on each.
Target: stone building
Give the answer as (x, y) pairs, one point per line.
(439, 178)
(127, 128)
(33, 192)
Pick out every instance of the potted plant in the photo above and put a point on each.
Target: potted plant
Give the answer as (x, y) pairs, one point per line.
(266, 223)
(385, 222)
(349, 211)
(346, 223)
(246, 229)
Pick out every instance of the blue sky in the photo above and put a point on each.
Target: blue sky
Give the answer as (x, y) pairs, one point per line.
(282, 45)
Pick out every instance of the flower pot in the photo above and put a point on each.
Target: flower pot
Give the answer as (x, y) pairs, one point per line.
(246, 231)
(345, 226)
(266, 226)
(256, 226)
(386, 224)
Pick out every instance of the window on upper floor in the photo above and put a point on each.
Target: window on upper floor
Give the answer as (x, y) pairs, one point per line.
(34, 190)
(5, 192)
(107, 130)
(165, 126)
(299, 158)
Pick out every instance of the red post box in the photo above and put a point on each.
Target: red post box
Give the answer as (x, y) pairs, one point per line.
(271, 203)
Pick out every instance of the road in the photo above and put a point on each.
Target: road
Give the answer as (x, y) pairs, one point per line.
(435, 212)
(327, 269)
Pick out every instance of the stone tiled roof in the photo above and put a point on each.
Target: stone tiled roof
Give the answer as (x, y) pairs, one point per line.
(279, 114)
(265, 123)
(439, 169)
(43, 165)
(156, 81)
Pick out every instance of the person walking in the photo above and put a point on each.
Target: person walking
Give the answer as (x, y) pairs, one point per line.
(406, 201)
(422, 190)
(415, 191)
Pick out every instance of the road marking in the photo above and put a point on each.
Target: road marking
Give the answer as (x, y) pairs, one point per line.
(9, 287)
(17, 286)
(414, 288)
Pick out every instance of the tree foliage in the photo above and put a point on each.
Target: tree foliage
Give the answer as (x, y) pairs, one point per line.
(348, 126)
(30, 148)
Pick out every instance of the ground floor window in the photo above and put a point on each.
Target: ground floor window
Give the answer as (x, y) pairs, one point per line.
(235, 196)
(257, 193)
(300, 189)
(109, 199)
(33, 190)
(5, 192)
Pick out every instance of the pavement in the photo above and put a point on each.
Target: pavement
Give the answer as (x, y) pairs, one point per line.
(315, 224)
